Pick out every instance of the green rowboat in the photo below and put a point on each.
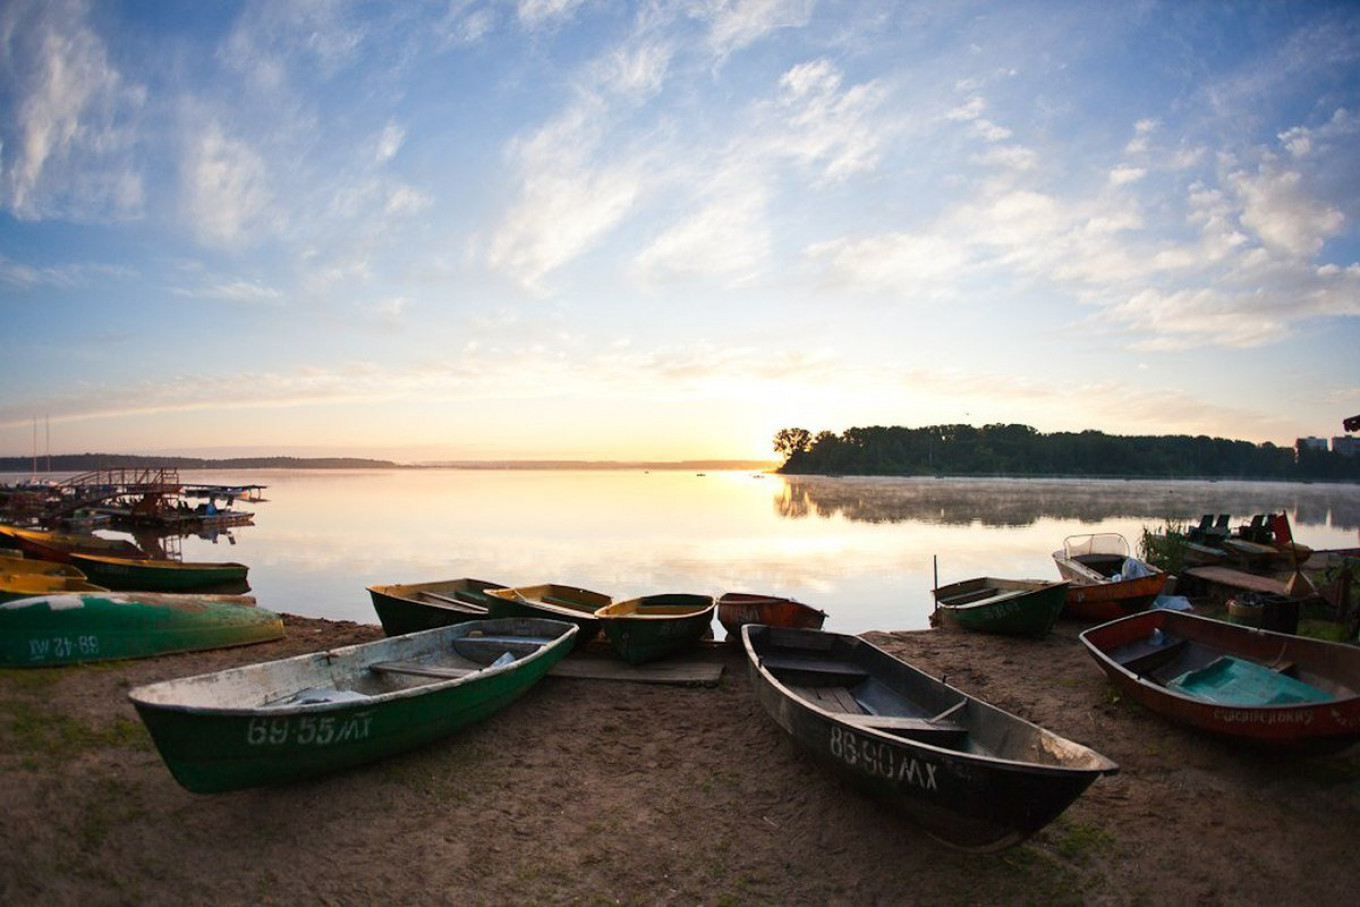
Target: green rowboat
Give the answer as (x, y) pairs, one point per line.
(653, 626)
(68, 628)
(280, 721)
(147, 575)
(412, 607)
(1010, 607)
(552, 601)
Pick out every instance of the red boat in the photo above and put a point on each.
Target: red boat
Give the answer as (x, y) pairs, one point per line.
(736, 609)
(1270, 690)
(1107, 581)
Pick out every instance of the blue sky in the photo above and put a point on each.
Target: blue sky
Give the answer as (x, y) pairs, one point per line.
(576, 229)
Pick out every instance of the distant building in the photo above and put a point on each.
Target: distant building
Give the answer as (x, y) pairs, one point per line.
(1347, 447)
(1303, 444)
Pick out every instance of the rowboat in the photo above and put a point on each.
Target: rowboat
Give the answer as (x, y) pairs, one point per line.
(410, 607)
(56, 546)
(13, 562)
(279, 721)
(552, 601)
(1010, 607)
(1272, 690)
(26, 585)
(148, 575)
(98, 626)
(736, 609)
(970, 774)
(653, 626)
(1106, 580)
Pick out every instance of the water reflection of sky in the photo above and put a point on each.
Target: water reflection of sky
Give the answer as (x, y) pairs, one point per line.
(866, 550)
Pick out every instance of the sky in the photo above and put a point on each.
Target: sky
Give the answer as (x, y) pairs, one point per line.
(589, 229)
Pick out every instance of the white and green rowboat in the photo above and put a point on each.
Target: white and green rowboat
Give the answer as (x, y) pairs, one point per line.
(280, 721)
(64, 628)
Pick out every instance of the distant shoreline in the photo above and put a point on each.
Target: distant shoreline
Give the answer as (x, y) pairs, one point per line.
(66, 463)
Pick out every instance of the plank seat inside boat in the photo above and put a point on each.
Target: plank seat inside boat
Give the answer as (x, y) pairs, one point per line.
(420, 670)
(972, 595)
(928, 730)
(316, 696)
(824, 670)
(987, 597)
(1144, 655)
(457, 598)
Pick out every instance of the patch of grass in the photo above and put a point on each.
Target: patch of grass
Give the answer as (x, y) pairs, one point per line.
(1078, 841)
(37, 734)
(114, 806)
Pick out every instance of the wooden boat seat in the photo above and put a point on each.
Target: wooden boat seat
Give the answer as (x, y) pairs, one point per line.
(420, 670)
(842, 672)
(927, 730)
(316, 696)
(457, 598)
(1142, 655)
(964, 598)
(521, 641)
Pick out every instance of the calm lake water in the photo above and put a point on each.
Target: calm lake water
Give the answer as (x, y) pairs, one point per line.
(860, 548)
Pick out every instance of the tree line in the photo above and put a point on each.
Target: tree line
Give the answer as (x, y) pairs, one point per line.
(1020, 450)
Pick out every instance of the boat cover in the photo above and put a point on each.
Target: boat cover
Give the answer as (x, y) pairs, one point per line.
(1235, 681)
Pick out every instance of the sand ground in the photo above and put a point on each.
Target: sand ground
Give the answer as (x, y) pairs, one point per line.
(598, 792)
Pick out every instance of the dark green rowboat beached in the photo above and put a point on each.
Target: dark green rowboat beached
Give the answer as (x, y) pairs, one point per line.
(148, 575)
(1010, 607)
(653, 626)
(552, 601)
(64, 629)
(283, 720)
(412, 607)
(970, 774)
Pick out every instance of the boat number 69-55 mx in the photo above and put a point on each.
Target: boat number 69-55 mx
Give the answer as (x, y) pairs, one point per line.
(308, 730)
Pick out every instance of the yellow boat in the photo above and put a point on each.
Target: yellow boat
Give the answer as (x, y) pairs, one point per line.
(14, 562)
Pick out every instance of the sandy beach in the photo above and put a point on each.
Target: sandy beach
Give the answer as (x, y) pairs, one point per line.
(599, 792)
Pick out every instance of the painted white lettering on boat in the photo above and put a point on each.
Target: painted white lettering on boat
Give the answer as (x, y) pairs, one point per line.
(62, 647)
(1262, 716)
(881, 759)
(308, 730)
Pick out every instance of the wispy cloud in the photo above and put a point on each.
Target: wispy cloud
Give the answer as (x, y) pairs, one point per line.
(69, 141)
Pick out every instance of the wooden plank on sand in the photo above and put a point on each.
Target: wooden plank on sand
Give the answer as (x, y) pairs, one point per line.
(1236, 579)
(681, 673)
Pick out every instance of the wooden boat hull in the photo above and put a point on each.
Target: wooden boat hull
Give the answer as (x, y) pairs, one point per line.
(280, 721)
(654, 626)
(412, 607)
(552, 601)
(970, 774)
(59, 547)
(27, 585)
(736, 609)
(1008, 607)
(1143, 652)
(98, 626)
(146, 575)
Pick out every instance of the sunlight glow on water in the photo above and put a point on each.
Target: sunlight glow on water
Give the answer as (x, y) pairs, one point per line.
(862, 549)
